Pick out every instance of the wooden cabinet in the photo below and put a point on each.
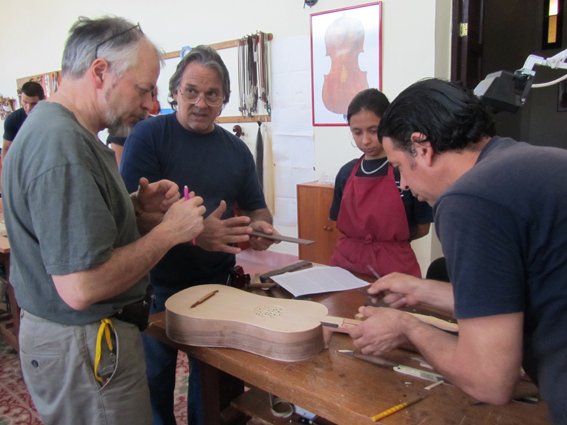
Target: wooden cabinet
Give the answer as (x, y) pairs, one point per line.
(313, 203)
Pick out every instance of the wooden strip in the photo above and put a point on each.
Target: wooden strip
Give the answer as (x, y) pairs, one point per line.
(217, 46)
(339, 324)
(442, 324)
(239, 119)
(437, 322)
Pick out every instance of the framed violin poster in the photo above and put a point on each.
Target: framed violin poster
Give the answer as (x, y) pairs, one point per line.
(346, 57)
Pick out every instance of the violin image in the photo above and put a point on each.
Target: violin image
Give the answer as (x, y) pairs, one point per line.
(344, 41)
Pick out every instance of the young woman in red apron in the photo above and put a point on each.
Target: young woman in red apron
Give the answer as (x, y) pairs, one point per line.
(372, 216)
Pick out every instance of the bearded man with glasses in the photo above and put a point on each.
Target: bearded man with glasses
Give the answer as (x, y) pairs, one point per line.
(190, 149)
(78, 264)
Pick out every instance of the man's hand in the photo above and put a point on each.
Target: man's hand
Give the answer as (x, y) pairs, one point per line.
(398, 290)
(381, 332)
(183, 221)
(401, 290)
(223, 235)
(156, 197)
(259, 243)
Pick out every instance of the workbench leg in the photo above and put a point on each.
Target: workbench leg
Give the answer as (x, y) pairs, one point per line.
(210, 378)
(218, 390)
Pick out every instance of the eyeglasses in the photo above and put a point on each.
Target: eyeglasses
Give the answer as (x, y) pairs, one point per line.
(212, 98)
(112, 37)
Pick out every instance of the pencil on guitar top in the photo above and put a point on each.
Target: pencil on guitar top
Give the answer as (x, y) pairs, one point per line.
(186, 197)
(204, 298)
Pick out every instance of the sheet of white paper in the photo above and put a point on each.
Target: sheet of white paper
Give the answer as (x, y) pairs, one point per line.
(317, 280)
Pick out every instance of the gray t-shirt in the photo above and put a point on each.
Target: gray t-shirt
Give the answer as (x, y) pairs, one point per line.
(66, 209)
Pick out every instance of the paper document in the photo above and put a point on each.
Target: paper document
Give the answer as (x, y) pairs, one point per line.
(317, 280)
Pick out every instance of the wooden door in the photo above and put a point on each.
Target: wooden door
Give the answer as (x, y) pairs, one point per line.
(313, 203)
(466, 54)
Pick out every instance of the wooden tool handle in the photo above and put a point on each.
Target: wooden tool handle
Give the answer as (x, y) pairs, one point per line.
(265, 277)
(282, 238)
(339, 324)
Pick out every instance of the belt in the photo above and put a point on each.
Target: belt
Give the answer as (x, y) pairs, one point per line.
(136, 313)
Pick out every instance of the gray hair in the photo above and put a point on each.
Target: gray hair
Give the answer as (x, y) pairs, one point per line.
(207, 57)
(112, 38)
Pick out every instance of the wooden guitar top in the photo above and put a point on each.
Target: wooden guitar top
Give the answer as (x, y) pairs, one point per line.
(223, 316)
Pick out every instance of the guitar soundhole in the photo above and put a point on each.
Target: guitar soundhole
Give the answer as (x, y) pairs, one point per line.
(268, 311)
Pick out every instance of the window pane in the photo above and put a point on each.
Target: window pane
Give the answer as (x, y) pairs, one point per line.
(553, 7)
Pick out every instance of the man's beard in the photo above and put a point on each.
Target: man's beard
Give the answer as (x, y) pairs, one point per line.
(114, 121)
(120, 129)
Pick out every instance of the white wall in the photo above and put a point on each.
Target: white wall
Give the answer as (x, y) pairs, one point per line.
(416, 42)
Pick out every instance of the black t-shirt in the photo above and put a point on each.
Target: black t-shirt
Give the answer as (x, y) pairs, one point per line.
(117, 140)
(416, 212)
(12, 124)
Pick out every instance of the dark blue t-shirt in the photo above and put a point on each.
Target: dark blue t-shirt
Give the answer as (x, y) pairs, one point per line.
(503, 228)
(217, 166)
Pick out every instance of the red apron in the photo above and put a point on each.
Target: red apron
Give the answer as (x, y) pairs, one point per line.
(373, 221)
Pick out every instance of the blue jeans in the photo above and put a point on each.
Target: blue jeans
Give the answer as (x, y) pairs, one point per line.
(161, 363)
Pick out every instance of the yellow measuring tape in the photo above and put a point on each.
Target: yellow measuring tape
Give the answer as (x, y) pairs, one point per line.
(103, 330)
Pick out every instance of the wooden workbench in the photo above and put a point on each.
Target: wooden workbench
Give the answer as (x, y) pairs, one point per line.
(345, 390)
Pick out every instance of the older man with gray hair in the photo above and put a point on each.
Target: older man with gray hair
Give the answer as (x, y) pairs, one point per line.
(79, 264)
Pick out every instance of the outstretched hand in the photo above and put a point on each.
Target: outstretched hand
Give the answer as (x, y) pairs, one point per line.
(224, 235)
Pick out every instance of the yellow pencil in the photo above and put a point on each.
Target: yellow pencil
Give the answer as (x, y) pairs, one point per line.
(395, 409)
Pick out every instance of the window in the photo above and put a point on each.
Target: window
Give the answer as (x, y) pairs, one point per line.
(552, 24)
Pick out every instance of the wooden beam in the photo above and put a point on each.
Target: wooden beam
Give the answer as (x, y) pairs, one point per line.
(217, 46)
(240, 119)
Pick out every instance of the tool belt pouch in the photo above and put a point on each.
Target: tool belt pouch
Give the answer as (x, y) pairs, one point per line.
(137, 313)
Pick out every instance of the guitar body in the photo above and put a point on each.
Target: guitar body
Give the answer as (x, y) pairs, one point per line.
(280, 329)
